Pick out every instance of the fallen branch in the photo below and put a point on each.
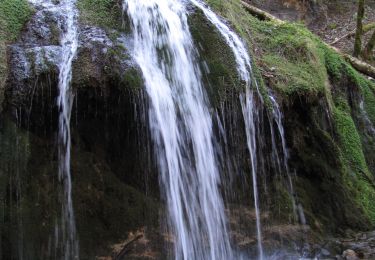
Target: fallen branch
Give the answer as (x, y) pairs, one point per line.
(348, 35)
(125, 249)
(260, 14)
(356, 63)
(366, 29)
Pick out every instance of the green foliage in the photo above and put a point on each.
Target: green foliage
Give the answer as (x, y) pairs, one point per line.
(102, 13)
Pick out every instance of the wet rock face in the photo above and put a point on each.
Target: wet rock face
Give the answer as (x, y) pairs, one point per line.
(313, 149)
(35, 59)
(43, 29)
(112, 176)
(355, 246)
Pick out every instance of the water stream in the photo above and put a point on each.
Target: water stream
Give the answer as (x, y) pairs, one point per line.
(369, 125)
(69, 42)
(249, 109)
(282, 164)
(181, 127)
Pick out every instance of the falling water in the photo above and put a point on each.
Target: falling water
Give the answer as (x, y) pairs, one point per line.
(248, 108)
(369, 125)
(181, 128)
(282, 165)
(69, 43)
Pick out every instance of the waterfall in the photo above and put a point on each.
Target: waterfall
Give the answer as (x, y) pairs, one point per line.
(69, 43)
(181, 127)
(249, 110)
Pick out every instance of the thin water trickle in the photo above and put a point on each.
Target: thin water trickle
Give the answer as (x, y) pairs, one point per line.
(69, 43)
(369, 125)
(249, 109)
(66, 242)
(181, 127)
(282, 165)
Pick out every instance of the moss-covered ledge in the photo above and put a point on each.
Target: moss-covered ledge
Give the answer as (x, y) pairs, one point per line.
(13, 16)
(313, 81)
(106, 14)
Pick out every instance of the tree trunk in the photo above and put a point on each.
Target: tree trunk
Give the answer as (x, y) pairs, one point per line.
(369, 47)
(359, 32)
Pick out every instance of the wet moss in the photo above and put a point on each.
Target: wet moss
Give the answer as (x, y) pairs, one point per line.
(295, 78)
(282, 206)
(368, 91)
(240, 21)
(132, 79)
(292, 57)
(349, 137)
(216, 59)
(356, 171)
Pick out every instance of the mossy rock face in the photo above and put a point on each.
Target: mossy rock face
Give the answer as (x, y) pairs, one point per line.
(13, 16)
(321, 183)
(216, 59)
(321, 97)
(109, 184)
(109, 199)
(115, 182)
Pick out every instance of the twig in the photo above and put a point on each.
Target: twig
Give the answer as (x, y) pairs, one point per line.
(125, 249)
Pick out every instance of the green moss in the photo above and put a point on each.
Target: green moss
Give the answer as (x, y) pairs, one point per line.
(282, 206)
(369, 100)
(333, 62)
(133, 79)
(288, 54)
(222, 77)
(295, 62)
(349, 139)
(102, 13)
(339, 70)
(13, 16)
(354, 159)
(295, 77)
